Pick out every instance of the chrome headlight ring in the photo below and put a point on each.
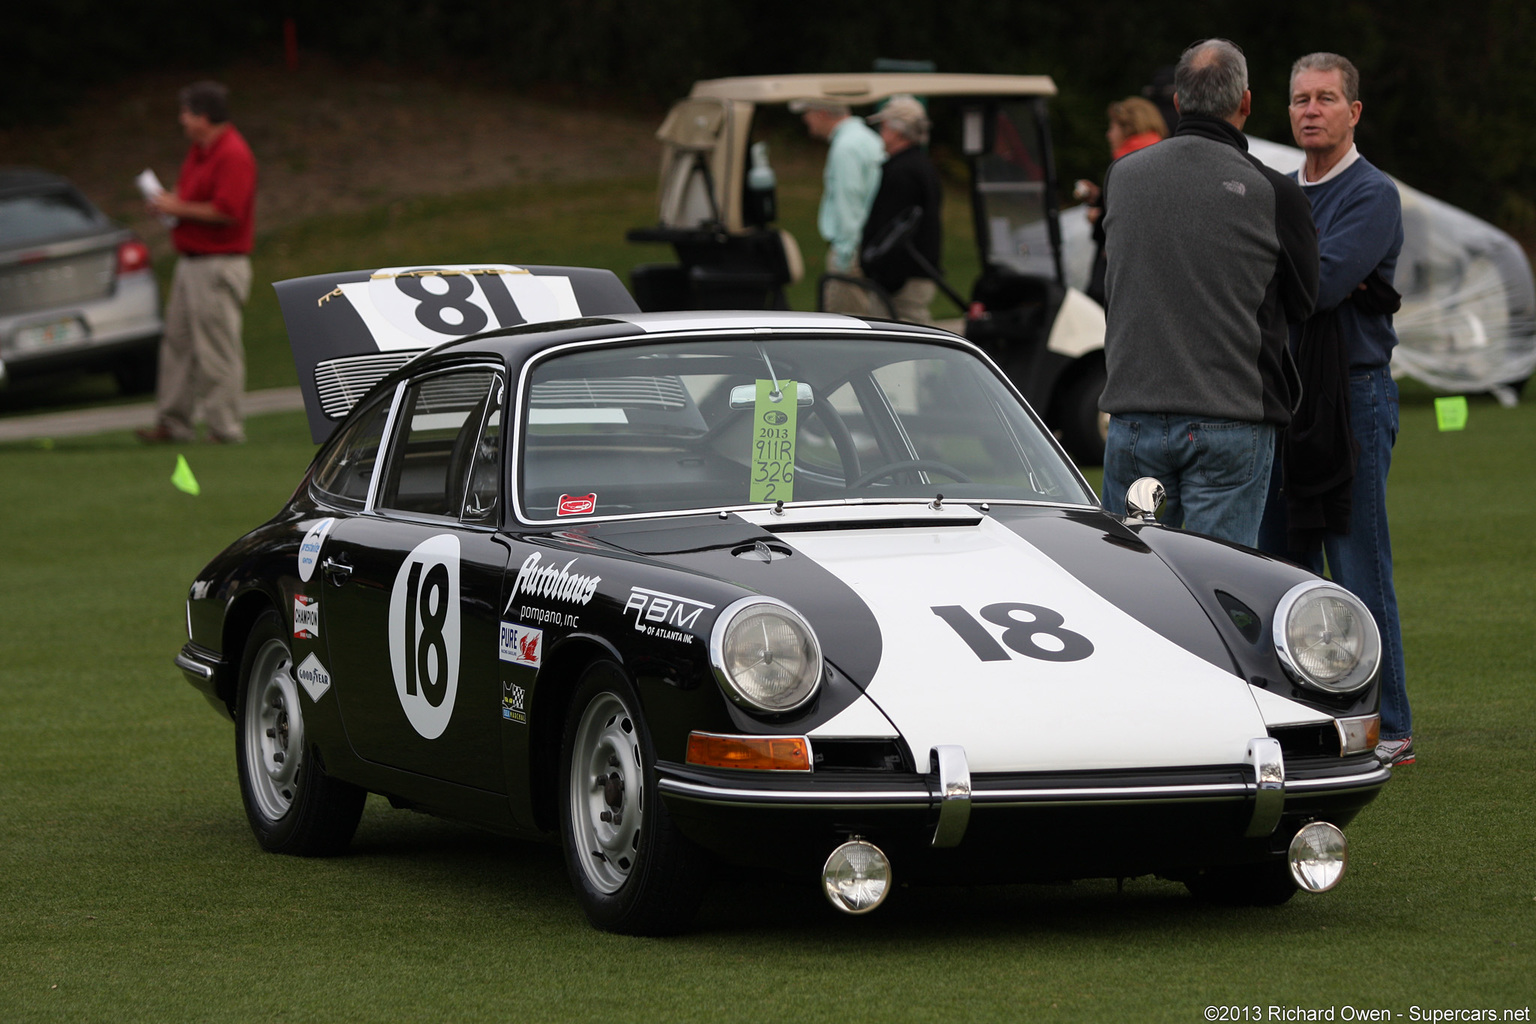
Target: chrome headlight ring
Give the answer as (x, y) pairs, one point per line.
(1326, 637)
(765, 655)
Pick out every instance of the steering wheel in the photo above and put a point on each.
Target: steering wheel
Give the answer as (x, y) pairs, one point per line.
(842, 439)
(929, 465)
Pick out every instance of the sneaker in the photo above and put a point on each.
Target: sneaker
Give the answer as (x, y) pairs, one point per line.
(1393, 753)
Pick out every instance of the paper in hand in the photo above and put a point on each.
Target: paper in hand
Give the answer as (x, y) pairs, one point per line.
(150, 187)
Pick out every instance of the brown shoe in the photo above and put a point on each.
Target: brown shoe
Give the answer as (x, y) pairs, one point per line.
(158, 434)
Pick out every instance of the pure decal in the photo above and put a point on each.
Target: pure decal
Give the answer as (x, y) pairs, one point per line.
(309, 548)
(313, 677)
(664, 616)
(522, 645)
(424, 634)
(306, 617)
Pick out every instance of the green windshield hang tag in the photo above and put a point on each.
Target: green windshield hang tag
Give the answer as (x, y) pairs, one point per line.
(773, 441)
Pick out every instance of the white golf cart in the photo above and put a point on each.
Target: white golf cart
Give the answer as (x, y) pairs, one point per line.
(1047, 337)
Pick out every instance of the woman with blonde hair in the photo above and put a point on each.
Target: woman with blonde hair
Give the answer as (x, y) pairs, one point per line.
(1134, 123)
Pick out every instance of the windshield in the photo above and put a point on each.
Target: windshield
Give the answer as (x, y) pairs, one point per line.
(702, 424)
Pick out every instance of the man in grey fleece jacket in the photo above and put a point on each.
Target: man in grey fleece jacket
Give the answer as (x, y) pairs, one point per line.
(1210, 255)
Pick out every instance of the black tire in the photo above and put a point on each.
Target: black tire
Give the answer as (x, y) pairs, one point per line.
(293, 806)
(637, 875)
(1077, 415)
(1244, 885)
(136, 374)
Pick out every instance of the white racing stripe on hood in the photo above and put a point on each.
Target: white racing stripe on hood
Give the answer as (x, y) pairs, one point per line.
(1137, 700)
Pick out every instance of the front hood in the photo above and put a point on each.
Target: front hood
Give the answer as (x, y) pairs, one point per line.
(990, 644)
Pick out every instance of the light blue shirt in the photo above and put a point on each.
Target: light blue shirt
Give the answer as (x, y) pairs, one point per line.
(849, 184)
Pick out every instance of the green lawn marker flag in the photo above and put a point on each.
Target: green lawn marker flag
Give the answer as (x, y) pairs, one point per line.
(773, 441)
(182, 477)
(1451, 413)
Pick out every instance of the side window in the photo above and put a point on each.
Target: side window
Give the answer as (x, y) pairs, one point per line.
(346, 468)
(436, 442)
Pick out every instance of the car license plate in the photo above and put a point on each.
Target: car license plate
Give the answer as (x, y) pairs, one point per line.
(51, 335)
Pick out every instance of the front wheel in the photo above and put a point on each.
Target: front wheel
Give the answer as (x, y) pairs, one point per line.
(293, 806)
(633, 871)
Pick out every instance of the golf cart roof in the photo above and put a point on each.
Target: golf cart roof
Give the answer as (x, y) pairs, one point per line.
(855, 89)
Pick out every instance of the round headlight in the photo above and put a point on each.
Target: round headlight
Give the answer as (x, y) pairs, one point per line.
(1326, 637)
(765, 655)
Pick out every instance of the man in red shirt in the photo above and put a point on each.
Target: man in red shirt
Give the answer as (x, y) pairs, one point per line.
(202, 358)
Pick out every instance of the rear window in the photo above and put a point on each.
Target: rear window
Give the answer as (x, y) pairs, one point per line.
(41, 216)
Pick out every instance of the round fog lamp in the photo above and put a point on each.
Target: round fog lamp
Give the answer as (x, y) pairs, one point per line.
(1318, 856)
(857, 877)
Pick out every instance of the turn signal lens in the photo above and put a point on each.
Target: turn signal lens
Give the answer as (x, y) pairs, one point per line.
(1358, 735)
(764, 753)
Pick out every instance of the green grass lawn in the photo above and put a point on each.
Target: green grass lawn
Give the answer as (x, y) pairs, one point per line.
(133, 891)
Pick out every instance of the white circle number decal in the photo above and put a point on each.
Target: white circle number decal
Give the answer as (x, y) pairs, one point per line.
(424, 634)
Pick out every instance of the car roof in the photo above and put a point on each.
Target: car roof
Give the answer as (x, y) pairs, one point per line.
(27, 179)
(855, 89)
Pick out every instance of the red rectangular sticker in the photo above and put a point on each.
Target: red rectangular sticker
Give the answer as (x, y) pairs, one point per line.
(576, 504)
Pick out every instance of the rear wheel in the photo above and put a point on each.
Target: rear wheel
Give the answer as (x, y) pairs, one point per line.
(293, 806)
(633, 871)
(1083, 427)
(1244, 885)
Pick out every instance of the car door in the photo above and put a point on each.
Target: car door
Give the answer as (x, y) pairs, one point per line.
(414, 582)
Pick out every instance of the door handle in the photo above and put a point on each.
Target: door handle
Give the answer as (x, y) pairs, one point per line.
(336, 571)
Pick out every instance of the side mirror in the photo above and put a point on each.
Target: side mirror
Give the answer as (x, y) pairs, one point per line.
(1143, 499)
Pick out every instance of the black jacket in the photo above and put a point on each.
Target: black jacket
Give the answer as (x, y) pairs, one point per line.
(1319, 453)
(907, 179)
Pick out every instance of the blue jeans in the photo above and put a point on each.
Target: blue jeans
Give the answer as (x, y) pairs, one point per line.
(1215, 472)
(1361, 560)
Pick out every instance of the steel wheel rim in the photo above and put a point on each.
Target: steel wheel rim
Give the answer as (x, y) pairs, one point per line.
(606, 793)
(274, 731)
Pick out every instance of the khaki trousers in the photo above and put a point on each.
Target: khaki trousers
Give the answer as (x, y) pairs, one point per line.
(202, 358)
(842, 297)
(913, 300)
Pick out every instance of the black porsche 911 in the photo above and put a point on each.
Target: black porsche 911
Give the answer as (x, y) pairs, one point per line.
(803, 592)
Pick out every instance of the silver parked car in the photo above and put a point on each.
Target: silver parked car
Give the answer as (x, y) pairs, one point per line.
(76, 290)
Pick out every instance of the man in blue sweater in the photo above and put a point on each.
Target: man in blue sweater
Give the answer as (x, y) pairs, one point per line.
(1360, 232)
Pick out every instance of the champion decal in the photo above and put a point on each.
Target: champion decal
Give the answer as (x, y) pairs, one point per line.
(306, 617)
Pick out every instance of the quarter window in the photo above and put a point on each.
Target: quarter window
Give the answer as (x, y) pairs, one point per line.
(438, 444)
(346, 468)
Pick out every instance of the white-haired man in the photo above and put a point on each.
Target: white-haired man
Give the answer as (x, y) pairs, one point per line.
(908, 181)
